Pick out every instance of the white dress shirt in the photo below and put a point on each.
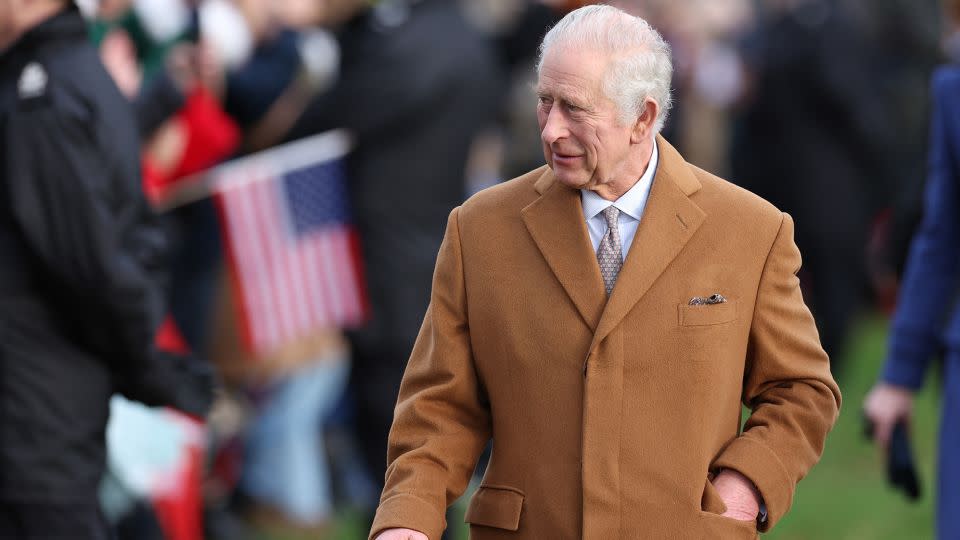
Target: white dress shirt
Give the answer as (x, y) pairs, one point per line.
(630, 204)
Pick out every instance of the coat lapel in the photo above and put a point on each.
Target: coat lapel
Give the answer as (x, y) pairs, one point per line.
(557, 225)
(669, 221)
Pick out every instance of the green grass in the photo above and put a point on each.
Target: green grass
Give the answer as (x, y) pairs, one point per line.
(845, 497)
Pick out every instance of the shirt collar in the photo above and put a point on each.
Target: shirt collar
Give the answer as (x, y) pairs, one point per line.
(630, 203)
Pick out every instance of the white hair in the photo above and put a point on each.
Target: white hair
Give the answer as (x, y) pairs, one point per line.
(641, 66)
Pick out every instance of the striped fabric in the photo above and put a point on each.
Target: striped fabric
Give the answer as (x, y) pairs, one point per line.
(292, 250)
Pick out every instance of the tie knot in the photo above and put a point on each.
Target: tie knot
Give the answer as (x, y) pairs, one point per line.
(611, 213)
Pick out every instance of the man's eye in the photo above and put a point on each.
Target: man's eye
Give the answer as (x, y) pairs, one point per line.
(574, 108)
(545, 100)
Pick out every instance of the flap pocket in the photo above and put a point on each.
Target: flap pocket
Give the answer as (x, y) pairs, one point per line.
(716, 525)
(711, 501)
(707, 314)
(495, 506)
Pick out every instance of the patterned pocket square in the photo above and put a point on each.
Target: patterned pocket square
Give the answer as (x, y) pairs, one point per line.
(715, 298)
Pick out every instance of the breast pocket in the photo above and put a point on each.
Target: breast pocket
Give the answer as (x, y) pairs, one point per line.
(707, 314)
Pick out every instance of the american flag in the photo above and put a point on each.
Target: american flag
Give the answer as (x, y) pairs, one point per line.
(292, 250)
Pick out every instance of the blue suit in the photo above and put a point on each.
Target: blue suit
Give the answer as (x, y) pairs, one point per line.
(927, 319)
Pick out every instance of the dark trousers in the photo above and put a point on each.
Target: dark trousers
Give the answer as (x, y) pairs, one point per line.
(948, 481)
(33, 521)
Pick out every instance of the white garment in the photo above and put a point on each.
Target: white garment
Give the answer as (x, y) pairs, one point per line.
(631, 205)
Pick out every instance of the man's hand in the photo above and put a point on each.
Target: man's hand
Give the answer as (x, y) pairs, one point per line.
(885, 405)
(738, 493)
(401, 534)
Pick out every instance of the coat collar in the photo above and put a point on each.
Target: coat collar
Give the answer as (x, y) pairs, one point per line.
(556, 223)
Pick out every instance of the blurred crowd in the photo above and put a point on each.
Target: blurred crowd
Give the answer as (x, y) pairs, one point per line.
(820, 106)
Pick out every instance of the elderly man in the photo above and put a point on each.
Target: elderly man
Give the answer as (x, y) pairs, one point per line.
(602, 319)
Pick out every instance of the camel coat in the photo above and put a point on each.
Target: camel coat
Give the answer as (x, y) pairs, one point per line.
(608, 417)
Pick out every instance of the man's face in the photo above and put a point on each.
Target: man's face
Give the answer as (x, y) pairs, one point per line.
(583, 140)
(7, 24)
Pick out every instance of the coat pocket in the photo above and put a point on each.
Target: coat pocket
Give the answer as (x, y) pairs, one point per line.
(707, 314)
(495, 506)
(715, 525)
(710, 501)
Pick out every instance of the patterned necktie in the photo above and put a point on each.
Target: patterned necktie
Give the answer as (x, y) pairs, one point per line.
(610, 252)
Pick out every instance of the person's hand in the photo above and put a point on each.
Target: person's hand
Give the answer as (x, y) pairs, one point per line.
(738, 493)
(885, 405)
(211, 70)
(401, 534)
(181, 381)
(181, 68)
(118, 54)
(190, 65)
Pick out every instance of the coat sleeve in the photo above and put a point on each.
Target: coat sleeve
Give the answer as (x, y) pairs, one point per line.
(441, 422)
(933, 266)
(793, 399)
(99, 254)
(84, 231)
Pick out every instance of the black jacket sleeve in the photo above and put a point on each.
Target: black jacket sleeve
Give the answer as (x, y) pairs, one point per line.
(83, 215)
(83, 229)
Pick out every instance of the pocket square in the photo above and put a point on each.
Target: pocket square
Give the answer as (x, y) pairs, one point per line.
(715, 298)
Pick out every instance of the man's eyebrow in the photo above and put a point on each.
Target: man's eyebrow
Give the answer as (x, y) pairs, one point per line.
(559, 95)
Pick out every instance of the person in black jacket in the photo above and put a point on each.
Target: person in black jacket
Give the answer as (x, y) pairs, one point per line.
(81, 265)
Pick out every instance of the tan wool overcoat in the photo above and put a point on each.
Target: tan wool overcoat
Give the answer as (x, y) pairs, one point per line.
(609, 416)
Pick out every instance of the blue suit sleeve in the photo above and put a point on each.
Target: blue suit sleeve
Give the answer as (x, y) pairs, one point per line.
(933, 267)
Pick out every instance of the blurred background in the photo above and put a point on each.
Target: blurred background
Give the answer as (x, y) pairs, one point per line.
(431, 101)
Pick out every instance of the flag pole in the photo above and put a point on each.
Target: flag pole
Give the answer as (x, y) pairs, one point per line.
(325, 146)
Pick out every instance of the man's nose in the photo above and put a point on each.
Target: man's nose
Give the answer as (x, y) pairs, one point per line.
(554, 127)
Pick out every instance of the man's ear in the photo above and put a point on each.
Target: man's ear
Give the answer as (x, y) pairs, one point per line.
(643, 126)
